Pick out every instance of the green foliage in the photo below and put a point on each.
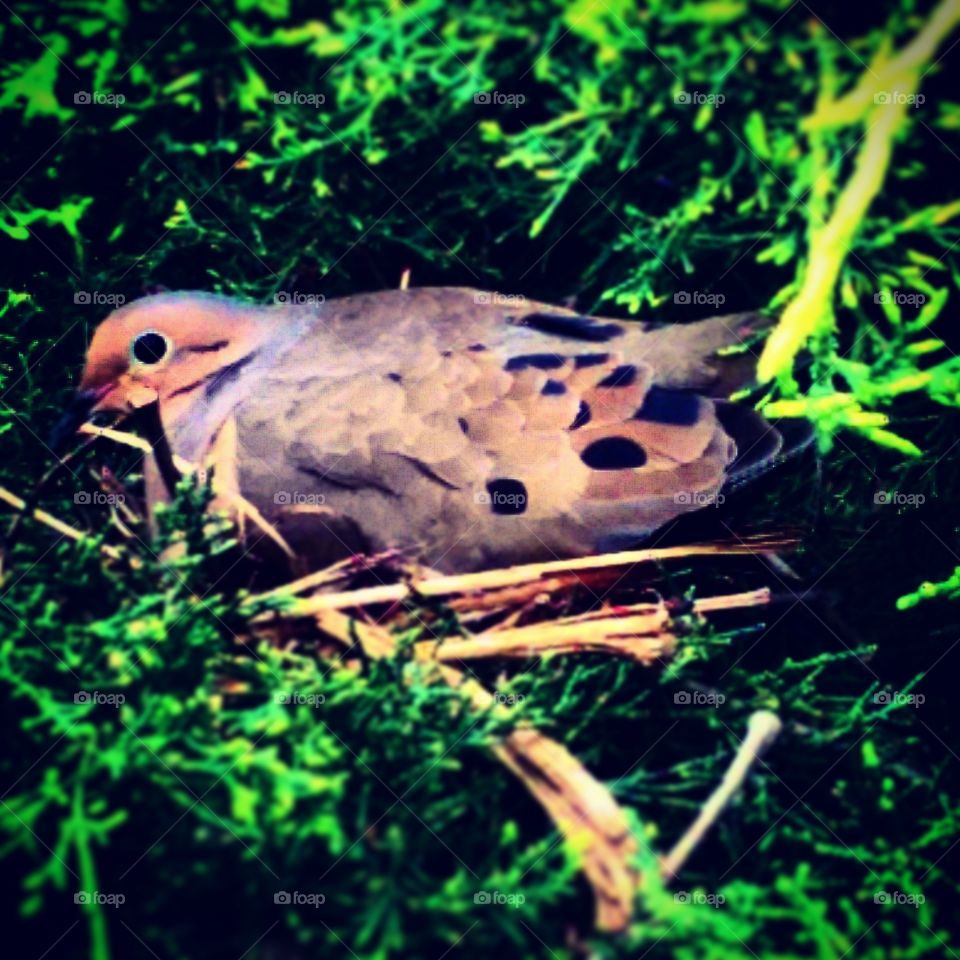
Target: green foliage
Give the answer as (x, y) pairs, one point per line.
(238, 772)
(949, 588)
(165, 742)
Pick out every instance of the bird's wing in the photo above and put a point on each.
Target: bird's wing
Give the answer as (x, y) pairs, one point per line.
(476, 432)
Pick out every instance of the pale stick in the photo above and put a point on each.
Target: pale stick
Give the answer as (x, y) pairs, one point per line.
(762, 729)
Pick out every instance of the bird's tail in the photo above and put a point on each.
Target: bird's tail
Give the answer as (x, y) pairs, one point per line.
(716, 356)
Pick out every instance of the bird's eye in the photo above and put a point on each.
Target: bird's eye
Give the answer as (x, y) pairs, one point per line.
(150, 347)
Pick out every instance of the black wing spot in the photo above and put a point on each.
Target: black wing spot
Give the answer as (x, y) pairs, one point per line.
(622, 376)
(554, 388)
(613, 453)
(678, 408)
(476, 347)
(507, 497)
(590, 360)
(542, 361)
(583, 416)
(577, 328)
(426, 471)
(395, 377)
(464, 426)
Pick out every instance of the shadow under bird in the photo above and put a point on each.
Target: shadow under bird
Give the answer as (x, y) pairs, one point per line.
(461, 427)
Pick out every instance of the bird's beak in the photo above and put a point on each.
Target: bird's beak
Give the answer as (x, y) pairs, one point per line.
(77, 413)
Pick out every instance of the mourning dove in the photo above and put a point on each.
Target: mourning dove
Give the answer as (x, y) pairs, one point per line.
(466, 428)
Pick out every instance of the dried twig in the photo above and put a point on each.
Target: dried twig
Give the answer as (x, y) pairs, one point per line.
(49, 520)
(338, 572)
(641, 632)
(560, 573)
(243, 506)
(763, 729)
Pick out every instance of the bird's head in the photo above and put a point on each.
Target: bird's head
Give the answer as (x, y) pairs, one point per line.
(167, 348)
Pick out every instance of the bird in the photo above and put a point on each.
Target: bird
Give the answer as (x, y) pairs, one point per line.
(464, 428)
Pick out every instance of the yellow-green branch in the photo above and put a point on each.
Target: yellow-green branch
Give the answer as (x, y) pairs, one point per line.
(811, 310)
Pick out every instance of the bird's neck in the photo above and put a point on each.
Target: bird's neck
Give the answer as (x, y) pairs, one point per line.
(193, 421)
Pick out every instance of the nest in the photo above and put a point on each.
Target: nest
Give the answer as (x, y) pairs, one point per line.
(506, 614)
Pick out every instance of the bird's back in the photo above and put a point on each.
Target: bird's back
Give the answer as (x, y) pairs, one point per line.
(473, 429)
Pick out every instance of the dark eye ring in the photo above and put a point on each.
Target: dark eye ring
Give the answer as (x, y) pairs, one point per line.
(150, 347)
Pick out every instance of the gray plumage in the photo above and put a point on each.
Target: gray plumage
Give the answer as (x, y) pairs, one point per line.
(465, 428)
